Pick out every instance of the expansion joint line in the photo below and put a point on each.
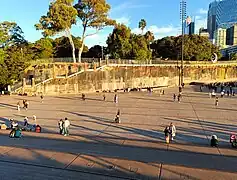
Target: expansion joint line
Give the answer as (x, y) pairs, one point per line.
(199, 121)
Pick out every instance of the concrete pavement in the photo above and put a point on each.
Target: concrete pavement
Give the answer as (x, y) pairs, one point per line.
(99, 149)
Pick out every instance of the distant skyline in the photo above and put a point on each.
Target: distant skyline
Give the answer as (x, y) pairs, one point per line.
(162, 17)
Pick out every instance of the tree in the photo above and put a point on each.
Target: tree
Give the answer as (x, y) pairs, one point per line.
(96, 51)
(10, 34)
(60, 18)
(196, 48)
(62, 47)
(149, 36)
(140, 48)
(44, 48)
(119, 42)
(142, 25)
(93, 14)
(234, 56)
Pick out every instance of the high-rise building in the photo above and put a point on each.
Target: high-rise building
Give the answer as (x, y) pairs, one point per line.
(211, 19)
(191, 28)
(231, 35)
(220, 38)
(226, 14)
(221, 13)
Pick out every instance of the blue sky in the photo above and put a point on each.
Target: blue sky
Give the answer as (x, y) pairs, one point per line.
(162, 16)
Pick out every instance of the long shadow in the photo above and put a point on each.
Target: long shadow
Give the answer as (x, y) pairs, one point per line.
(8, 106)
(124, 152)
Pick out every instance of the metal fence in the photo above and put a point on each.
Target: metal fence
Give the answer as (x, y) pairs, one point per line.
(132, 61)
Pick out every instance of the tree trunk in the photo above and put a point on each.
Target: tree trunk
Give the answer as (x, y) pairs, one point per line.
(80, 51)
(82, 44)
(72, 44)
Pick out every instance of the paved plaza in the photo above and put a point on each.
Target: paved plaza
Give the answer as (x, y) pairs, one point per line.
(97, 148)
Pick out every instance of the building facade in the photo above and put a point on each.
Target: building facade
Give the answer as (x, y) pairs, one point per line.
(220, 38)
(231, 35)
(221, 14)
(211, 19)
(203, 32)
(191, 28)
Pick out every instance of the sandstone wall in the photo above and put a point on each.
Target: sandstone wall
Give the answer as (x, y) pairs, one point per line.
(118, 77)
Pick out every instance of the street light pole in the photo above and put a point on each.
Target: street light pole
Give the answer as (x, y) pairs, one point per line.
(183, 6)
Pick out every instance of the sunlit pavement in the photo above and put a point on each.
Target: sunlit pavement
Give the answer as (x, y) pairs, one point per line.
(97, 148)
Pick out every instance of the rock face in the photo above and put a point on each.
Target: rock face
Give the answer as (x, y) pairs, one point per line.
(112, 77)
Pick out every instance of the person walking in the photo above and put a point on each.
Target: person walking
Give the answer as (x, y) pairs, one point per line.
(216, 101)
(18, 106)
(34, 118)
(104, 97)
(26, 121)
(83, 96)
(117, 117)
(179, 98)
(66, 127)
(116, 98)
(42, 98)
(214, 141)
(60, 125)
(172, 131)
(166, 131)
(174, 97)
(26, 104)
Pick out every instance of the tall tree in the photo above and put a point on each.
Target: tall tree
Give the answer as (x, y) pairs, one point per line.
(44, 48)
(96, 51)
(196, 48)
(10, 34)
(60, 18)
(93, 14)
(142, 24)
(140, 48)
(62, 46)
(119, 45)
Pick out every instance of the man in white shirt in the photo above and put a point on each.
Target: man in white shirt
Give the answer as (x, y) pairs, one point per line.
(66, 127)
(172, 131)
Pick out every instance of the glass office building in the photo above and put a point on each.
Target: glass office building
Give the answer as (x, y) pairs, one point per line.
(226, 13)
(211, 19)
(221, 14)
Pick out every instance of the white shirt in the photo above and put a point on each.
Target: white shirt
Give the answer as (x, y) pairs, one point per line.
(66, 123)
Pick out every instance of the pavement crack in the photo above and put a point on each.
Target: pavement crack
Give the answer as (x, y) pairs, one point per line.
(69, 164)
(160, 173)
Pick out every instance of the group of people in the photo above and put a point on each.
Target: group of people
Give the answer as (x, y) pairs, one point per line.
(177, 96)
(16, 129)
(25, 105)
(170, 133)
(64, 126)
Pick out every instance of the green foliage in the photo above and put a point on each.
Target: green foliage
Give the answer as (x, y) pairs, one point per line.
(196, 48)
(140, 49)
(96, 52)
(2, 56)
(44, 48)
(10, 34)
(62, 47)
(119, 45)
(126, 45)
(142, 24)
(60, 17)
(234, 56)
(93, 14)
